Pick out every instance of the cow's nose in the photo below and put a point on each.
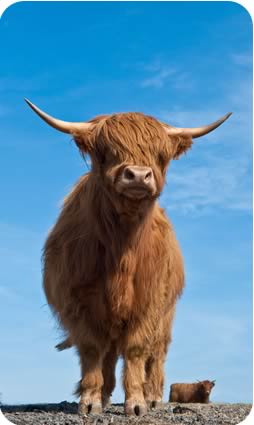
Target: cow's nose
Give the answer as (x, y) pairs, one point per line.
(136, 174)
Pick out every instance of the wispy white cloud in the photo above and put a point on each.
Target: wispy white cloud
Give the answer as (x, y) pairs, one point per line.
(220, 174)
(158, 79)
(219, 184)
(6, 292)
(243, 59)
(162, 74)
(239, 94)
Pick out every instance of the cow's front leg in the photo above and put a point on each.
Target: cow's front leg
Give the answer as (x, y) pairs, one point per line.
(92, 379)
(153, 388)
(134, 378)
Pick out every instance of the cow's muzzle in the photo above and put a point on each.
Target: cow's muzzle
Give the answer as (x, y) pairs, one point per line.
(136, 182)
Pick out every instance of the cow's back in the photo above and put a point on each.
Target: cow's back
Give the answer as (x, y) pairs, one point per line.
(183, 393)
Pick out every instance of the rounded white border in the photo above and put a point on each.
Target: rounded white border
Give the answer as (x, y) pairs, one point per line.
(248, 5)
(4, 420)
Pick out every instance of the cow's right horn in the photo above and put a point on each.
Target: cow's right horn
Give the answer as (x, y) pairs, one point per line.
(64, 126)
(199, 131)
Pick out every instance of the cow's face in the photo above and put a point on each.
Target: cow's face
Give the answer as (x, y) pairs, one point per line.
(207, 386)
(130, 154)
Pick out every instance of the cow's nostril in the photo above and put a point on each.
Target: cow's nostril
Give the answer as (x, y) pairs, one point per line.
(128, 174)
(148, 176)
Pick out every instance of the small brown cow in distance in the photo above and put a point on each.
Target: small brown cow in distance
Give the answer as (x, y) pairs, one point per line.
(113, 270)
(198, 392)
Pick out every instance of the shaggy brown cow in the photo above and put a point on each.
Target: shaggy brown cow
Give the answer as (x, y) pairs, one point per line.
(198, 392)
(112, 266)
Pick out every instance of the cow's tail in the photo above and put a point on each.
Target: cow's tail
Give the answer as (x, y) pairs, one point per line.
(64, 345)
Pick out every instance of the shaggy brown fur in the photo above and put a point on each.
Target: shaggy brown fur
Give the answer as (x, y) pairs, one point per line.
(198, 392)
(112, 267)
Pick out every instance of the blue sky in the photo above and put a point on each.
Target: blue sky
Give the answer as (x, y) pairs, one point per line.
(185, 63)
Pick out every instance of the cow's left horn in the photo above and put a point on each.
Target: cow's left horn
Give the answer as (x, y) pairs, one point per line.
(64, 126)
(199, 131)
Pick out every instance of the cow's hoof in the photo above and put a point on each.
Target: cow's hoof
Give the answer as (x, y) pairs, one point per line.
(106, 401)
(155, 404)
(135, 408)
(93, 408)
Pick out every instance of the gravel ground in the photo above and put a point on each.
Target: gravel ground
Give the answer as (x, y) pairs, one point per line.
(171, 413)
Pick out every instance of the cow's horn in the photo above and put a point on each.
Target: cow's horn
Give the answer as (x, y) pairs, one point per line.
(199, 131)
(64, 126)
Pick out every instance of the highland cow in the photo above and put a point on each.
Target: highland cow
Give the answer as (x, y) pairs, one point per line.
(113, 270)
(198, 392)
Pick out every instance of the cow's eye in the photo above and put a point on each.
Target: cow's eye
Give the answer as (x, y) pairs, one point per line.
(112, 157)
(162, 159)
(101, 156)
(102, 159)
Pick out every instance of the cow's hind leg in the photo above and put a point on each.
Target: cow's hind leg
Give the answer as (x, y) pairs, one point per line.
(90, 387)
(109, 365)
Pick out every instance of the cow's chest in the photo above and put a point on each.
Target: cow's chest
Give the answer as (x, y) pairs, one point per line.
(127, 287)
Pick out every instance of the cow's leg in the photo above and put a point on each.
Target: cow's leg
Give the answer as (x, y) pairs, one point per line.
(154, 367)
(134, 378)
(91, 357)
(109, 364)
(153, 388)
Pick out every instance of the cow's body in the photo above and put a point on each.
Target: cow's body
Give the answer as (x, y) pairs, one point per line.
(117, 286)
(112, 267)
(197, 392)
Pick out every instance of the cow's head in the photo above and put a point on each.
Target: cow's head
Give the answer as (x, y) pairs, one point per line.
(130, 152)
(207, 386)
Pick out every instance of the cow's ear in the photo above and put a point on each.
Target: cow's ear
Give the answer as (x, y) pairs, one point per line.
(85, 141)
(180, 144)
